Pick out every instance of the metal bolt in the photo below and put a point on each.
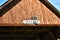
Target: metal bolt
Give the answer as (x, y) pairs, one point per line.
(34, 17)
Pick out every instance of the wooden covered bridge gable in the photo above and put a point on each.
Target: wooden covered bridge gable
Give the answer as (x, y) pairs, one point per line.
(15, 11)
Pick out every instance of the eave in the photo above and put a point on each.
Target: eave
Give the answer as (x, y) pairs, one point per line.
(51, 7)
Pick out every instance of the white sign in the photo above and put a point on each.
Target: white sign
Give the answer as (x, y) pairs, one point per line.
(31, 21)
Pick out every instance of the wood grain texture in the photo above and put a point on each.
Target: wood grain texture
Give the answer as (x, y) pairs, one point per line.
(27, 8)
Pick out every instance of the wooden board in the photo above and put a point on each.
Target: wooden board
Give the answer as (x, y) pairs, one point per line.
(27, 8)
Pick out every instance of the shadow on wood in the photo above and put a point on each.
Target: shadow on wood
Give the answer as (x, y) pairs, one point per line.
(30, 33)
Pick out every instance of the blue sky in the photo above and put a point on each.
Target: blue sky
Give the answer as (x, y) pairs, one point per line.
(2, 2)
(55, 3)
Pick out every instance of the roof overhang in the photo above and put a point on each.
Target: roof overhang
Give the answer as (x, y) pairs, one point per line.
(6, 3)
(7, 6)
(51, 7)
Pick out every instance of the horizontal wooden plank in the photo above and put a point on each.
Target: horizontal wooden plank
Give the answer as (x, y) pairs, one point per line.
(7, 24)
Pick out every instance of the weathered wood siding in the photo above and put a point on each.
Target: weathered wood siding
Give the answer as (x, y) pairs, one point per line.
(25, 9)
